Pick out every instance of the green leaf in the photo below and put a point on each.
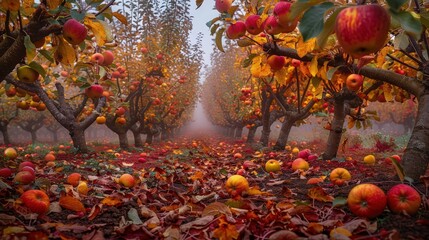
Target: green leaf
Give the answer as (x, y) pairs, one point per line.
(401, 41)
(218, 39)
(47, 80)
(199, 3)
(331, 72)
(315, 81)
(47, 55)
(133, 215)
(424, 19)
(245, 42)
(312, 22)
(301, 6)
(210, 23)
(328, 27)
(36, 66)
(409, 23)
(339, 201)
(77, 15)
(395, 4)
(30, 49)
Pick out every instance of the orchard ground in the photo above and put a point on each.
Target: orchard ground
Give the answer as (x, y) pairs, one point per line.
(180, 192)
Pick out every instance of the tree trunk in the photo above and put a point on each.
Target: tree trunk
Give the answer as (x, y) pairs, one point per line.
(251, 135)
(79, 142)
(123, 140)
(284, 134)
(238, 132)
(6, 138)
(137, 139)
(149, 138)
(336, 131)
(416, 157)
(33, 137)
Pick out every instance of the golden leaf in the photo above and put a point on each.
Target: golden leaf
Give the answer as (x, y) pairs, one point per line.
(65, 53)
(319, 194)
(260, 68)
(314, 228)
(120, 17)
(351, 123)
(98, 29)
(387, 90)
(52, 4)
(27, 5)
(111, 201)
(225, 231)
(303, 48)
(215, 209)
(197, 176)
(281, 76)
(72, 203)
(254, 191)
(315, 180)
(314, 66)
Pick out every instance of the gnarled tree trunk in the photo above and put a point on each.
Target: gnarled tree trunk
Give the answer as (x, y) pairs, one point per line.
(416, 156)
(123, 140)
(336, 130)
(251, 134)
(79, 142)
(284, 133)
(238, 132)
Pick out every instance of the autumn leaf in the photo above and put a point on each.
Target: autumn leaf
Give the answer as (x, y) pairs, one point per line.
(316, 180)
(197, 176)
(260, 68)
(52, 4)
(98, 29)
(319, 194)
(216, 208)
(225, 231)
(111, 201)
(72, 203)
(30, 49)
(255, 191)
(65, 53)
(314, 66)
(121, 18)
(303, 48)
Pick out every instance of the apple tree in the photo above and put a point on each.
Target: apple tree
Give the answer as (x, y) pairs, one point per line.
(375, 40)
(51, 46)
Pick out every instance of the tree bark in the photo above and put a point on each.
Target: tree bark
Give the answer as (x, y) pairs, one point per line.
(336, 130)
(123, 140)
(78, 137)
(284, 134)
(6, 138)
(238, 132)
(33, 136)
(416, 157)
(138, 142)
(149, 138)
(251, 135)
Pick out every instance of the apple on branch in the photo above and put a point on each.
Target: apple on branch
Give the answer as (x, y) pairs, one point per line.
(27, 74)
(223, 5)
(363, 29)
(236, 30)
(354, 82)
(74, 32)
(254, 24)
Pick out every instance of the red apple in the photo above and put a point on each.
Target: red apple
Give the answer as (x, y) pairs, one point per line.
(27, 74)
(238, 155)
(304, 153)
(144, 50)
(94, 91)
(388, 160)
(74, 32)
(312, 157)
(29, 169)
(108, 58)
(11, 92)
(127, 180)
(296, 62)
(97, 58)
(36, 200)
(236, 30)
(254, 24)
(403, 198)
(26, 163)
(120, 111)
(272, 26)
(354, 82)
(160, 57)
(276, 62)
(367, 200)
(281, 12)
(223, 5)
(5, 173)
(241, 172)
(363, 29)
(24, 177)
(301, 164)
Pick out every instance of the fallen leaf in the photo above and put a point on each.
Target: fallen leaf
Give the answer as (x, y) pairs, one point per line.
(72, 203)
(225, 230)
(215, 209)
(319, 194)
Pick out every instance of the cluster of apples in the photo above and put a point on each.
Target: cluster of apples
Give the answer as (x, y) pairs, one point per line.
(246, 95)
(278, 22)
